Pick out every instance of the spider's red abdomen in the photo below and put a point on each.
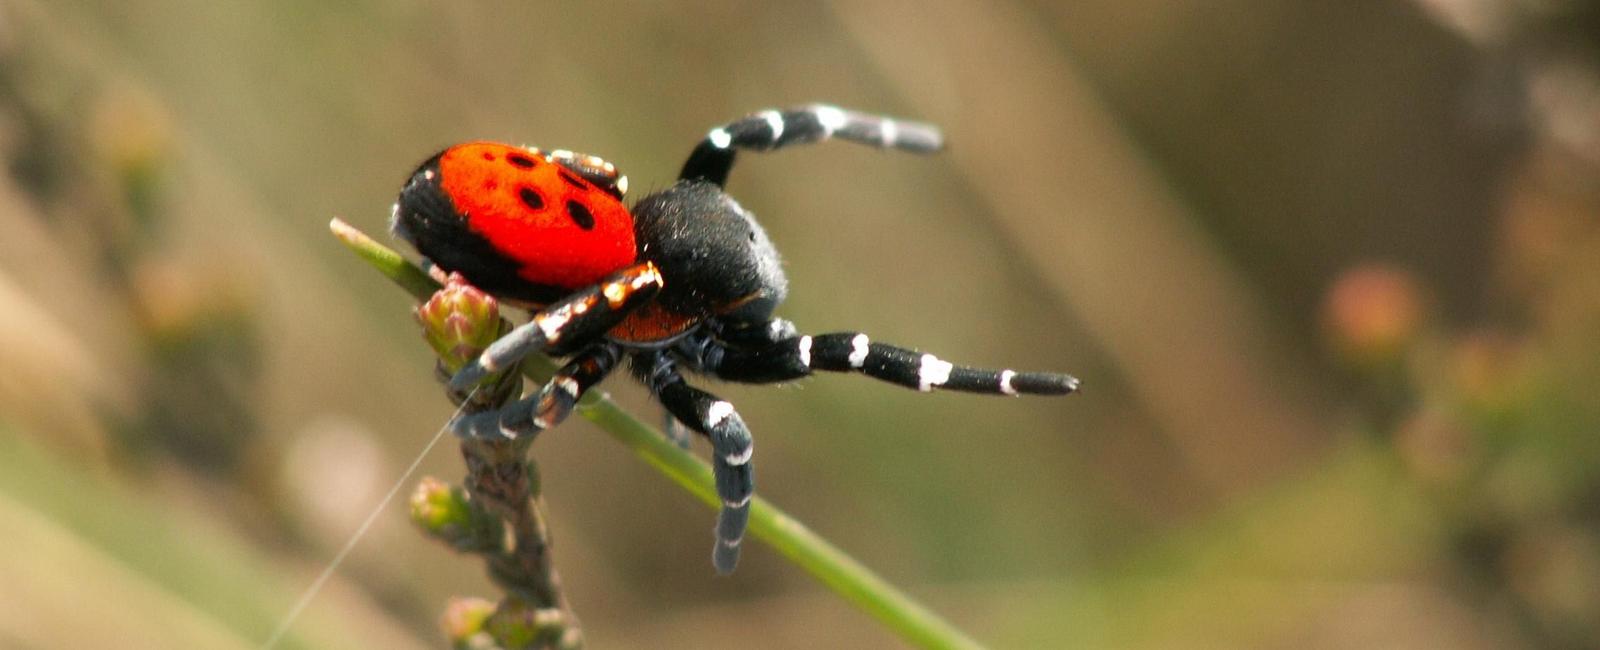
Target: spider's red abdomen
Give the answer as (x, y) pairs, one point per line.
(557, 228)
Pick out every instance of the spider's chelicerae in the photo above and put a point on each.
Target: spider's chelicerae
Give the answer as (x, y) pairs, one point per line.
(685, 280)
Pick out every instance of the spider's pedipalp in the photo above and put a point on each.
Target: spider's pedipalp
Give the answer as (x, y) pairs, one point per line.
(766, 130)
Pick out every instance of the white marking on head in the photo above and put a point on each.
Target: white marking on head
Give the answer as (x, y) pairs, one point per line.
(830, 117)
(542, 422)
(562, 154)
(720, 138)
(805, 351)
(933, 372)
(428, 174)
(774, 123)
(513, 434)
(858, 350)
(718, 412)
(740, 503)
(622, 184)
(888, 132)
(741, 457)
(1005, 382)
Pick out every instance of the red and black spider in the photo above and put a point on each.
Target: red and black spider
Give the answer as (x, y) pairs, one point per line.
(685, 280)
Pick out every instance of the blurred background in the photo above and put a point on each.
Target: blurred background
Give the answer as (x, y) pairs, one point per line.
(1330, 273)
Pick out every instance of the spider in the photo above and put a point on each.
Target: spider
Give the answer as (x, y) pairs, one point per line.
(685, 280)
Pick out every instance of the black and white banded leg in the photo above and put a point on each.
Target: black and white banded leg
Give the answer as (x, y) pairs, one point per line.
(799, 356)
(731, 449)
(549, 406)
(583, 315)
(713, 158)
(677, 433)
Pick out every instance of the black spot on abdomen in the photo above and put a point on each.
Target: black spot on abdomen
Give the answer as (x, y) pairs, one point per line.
(580, 215)
(531, 198)
(520, 160)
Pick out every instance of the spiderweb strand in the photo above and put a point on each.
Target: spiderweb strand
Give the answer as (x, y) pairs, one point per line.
(333, 565)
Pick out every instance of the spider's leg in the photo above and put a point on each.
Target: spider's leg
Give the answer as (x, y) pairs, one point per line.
(675, 430)
(549, 406)
(745, 334)
(773, 129)
(798, 356)
(585, 314)
(731, 448)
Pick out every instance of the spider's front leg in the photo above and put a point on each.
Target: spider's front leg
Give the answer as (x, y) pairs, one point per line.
(584, 315)
(713, 158)
(731, 448)
(549, 406)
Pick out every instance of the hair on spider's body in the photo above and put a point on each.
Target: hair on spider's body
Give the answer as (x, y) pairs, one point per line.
(685, 279)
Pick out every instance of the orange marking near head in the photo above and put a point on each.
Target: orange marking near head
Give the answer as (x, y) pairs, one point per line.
(652, 323)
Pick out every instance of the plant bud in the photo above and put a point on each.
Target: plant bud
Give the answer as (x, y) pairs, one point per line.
(1373, 313)
(459, 321)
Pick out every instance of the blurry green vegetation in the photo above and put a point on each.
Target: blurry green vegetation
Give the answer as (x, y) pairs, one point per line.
(1329, 272)
(107, 567)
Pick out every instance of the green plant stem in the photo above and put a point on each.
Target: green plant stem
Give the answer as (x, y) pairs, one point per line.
(847, 577)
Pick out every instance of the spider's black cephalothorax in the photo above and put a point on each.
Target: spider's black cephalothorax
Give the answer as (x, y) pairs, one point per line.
(698, 294)
(696, 232)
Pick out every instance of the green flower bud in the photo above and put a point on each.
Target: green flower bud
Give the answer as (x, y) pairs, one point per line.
(463, 622)
(519, 624)
(459, 321)
(448, 514)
